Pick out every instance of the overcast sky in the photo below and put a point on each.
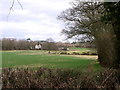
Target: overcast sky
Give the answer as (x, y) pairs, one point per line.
(37, 20)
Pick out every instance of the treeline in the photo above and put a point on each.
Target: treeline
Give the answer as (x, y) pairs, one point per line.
(49, 44)
(13, 44)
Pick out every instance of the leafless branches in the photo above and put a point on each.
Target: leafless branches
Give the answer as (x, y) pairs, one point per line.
(12, 5)
(20, 4)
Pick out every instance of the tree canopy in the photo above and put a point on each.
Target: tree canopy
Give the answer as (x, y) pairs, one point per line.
(85, 18)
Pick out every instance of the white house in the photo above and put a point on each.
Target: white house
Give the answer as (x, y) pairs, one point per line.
(38, 46)
(63, 48)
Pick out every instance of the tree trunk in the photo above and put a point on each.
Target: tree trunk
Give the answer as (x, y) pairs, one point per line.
(113, 16)
(49, 51)
(106, 51)
(116, 27)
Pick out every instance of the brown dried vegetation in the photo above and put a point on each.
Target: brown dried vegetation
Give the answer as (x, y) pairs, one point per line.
(58, 78)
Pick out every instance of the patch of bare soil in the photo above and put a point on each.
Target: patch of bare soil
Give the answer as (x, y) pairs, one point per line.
(86, 56)
(30, 54)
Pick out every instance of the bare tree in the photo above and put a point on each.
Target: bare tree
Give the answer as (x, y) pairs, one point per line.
(49, 45)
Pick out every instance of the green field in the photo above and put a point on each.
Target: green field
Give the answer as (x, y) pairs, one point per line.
(35, 59)
(81, 50)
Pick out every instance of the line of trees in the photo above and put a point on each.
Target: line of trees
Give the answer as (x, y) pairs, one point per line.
(86, 18)
(13, 44)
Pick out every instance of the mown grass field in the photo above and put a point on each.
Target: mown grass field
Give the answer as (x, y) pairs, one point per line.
(35, 59)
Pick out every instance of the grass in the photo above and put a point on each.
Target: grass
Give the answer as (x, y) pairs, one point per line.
(81, 50)
(35, 59)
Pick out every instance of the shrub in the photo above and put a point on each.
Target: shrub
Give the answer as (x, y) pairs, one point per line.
(63, 52)
(76, 53)
(58, 78)
(85, 53)
(93, 53)
(88, 53)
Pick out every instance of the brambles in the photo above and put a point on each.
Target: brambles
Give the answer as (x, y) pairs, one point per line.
(58, 78)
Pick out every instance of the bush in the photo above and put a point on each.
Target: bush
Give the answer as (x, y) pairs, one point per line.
(63, 52)
(88, 53)
(76, 53)
(93, 53)
(85, 53)
(58, 78)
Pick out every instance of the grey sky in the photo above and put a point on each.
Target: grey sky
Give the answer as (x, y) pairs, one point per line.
(37, 20)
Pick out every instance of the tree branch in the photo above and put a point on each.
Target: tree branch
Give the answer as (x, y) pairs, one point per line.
(11, 8)
(107, 78)
(20, 4)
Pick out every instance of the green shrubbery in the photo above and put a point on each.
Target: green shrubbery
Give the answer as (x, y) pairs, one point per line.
(59, 78)
(77, 53)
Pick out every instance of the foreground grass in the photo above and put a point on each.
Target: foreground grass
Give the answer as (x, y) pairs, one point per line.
(35, 59)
